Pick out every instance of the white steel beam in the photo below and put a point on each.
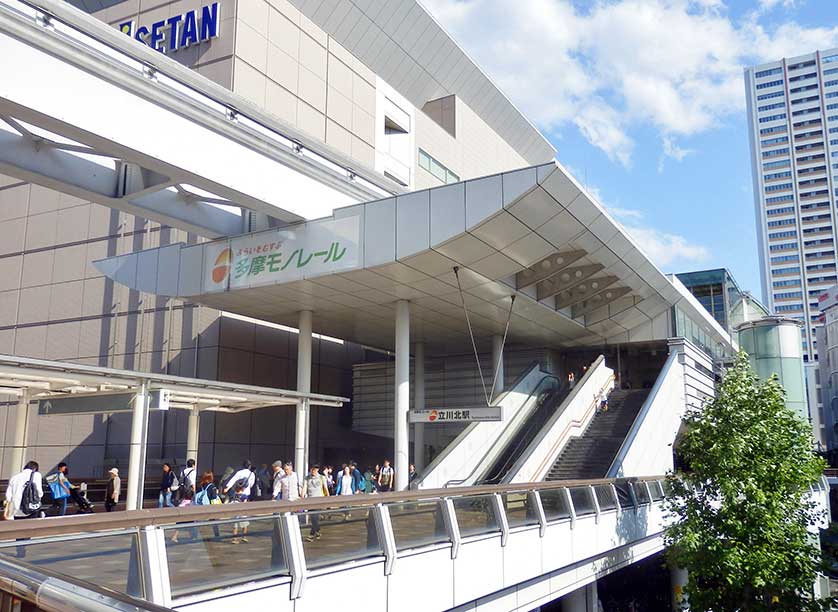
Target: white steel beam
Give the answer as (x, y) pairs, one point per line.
(65, 83)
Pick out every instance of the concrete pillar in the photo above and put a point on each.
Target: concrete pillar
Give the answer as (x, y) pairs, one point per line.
(419, 404)
(192, 429)
(497, 364)
(583, 599)
(303, 386)
(402, 395)
(136, 457)
(18, 458)
(678, 579)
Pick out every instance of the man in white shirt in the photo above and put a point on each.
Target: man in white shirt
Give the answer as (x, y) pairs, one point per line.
(289, 485)
(14, 491)
(187, 476)
(246, 475)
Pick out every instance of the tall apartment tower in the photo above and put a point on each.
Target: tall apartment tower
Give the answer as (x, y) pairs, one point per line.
(793, 124)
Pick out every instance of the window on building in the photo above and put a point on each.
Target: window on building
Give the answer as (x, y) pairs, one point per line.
(787, 246)
(772, 106)
(769, 84)
(802, 77)
(428, 163)
(769, 72)
(773, 94)
(772, 118)
(780, 187)
(791, 270)
(775, 153)
(775, 164)
(773, 130)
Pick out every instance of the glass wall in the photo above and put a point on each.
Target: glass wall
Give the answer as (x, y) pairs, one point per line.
(774, 347)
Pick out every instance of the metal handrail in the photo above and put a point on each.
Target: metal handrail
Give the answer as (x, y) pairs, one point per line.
(54, 592)
(535, 390)
(135, 519)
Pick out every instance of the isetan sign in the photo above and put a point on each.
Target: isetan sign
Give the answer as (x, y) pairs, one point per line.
(177, 32)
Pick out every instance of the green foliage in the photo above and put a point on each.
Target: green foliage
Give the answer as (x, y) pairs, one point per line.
(740, 517)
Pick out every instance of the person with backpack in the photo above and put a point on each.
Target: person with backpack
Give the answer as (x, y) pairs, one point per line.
(208, 495)
(167, 485)
(188, 477)
(239, 484)
(386, 478)
(24, 493)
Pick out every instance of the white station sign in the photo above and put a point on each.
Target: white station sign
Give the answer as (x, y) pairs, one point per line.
(280, 256)
(457, 415)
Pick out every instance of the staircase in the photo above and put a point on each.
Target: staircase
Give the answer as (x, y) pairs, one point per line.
(591, 454)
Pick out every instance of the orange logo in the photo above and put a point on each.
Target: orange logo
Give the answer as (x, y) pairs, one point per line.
(433, 416)
(222, 265)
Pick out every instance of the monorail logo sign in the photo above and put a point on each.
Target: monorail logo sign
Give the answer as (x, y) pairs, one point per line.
(179, 31)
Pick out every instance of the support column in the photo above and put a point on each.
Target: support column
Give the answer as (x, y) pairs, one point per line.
(419, 404)
(18, 457)
(401, 460)
(192, 429)
(303, 386)
(497, 357)
(583, 599)
(678, 579)
(136, 457)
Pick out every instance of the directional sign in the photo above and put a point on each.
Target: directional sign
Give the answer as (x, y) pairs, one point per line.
(100, 403)
(456, 415)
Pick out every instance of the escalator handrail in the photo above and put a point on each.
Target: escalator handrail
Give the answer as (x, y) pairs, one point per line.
(535, 364)
(535, 390)
(557, 414)
(522, 443)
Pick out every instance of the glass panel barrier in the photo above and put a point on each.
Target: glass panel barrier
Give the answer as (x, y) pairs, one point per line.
(204, 556)
(476, 515)
(417, 524)
(605, 497)
(111, 561)
(583, 501)
(640, 492)
(555, 504)
(624, 494)
(519, 510)
(339, 535)
(667, 487)
(656, 489)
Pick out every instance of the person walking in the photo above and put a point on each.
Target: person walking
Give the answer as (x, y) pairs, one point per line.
(315, 486)
(386, 478)
(188, 476)
(112, 491)
(207, 494)
(346, 484)
(603, 401)
(240, 483)
(167, 484)
(411, 475)
(265, 477)
(357, 476)
(289, 484)
(24, 493)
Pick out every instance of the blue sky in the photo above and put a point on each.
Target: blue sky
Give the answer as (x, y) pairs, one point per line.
(644, 100)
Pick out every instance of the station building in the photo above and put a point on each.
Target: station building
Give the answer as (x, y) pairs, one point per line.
(405, 163)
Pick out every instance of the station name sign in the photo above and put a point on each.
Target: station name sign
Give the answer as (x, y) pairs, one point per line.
(457, 415)
(278, 256)
(179, 31)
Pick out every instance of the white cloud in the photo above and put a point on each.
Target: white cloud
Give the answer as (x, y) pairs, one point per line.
(625, 213)
(672, 151)
(666, 249)
(616, 65)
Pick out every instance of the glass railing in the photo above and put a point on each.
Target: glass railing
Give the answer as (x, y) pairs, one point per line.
(205, 548)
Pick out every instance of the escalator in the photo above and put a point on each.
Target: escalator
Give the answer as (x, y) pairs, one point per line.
(548, 402)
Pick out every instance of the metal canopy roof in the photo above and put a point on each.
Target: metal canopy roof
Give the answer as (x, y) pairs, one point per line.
(534, 233)
(43, 378)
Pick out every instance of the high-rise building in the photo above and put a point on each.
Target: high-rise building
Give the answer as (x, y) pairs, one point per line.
(793, 124)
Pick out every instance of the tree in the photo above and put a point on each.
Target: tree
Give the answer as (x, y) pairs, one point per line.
(740, 512)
